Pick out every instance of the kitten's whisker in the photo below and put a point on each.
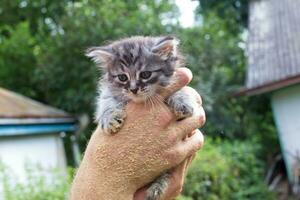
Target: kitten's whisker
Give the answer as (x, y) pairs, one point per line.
(146, 102)
(153, 103)
(159, 100)
(166, 89)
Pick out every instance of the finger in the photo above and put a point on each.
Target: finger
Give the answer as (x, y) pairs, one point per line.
(190, 159)
(186, 165)
(184, 127)
(174, 186)
(191, 145)
(178, 171)
(140, 194)
(176, 181)
(189, 162)
(193, 94)
(181, 78)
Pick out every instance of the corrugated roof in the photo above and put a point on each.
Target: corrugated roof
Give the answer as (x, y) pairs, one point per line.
(273, 43)
(13, 105)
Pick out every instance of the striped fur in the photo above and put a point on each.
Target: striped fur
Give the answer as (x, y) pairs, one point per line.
(126, 65)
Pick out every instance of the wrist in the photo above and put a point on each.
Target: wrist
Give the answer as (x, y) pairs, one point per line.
(88, 184)
(94, 181)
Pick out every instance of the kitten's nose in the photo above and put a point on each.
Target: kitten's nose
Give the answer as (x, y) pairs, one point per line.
(134, 91)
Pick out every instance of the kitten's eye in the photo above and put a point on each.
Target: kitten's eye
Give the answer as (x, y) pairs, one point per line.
(122, 77)
(145, 74)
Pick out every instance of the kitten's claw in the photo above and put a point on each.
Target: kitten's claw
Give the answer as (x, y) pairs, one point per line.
(184, 111)
(182, 104)
(114, 124)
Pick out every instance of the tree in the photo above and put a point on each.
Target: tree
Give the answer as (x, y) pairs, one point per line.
(17, 60)
(44, 42)
(226, 9)
(42, 46)
(67, 78)
(217, 61)
(37, 13)
(215, 51)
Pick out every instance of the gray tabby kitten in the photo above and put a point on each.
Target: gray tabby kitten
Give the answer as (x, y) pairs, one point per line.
(134, 70)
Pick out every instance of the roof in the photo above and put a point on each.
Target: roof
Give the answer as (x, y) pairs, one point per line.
(273, 45)
(36, 129)
(20, 115)
(13, 105)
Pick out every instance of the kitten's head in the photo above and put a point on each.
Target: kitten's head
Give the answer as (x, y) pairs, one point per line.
(138, 66)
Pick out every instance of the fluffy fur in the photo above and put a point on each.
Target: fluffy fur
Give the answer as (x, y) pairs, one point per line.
(134, 69)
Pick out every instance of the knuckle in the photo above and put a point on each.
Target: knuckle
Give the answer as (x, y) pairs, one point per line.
(200, 141)
(199, 145)
(165, 117)
(193, 151)
(202, 119)
(199, 100)
(174, 156)
(172, 139)
(182, 77)
(175, 134)
(178, 189)
(183, 129)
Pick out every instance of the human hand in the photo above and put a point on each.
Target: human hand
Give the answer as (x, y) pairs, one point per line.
(177, 179)
(177, 173)
(150, 142)
(175, 186)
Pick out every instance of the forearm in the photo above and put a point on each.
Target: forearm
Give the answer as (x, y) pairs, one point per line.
(86, 187)
(92, 183)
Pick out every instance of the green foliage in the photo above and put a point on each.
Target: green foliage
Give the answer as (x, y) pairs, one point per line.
(222, 170)
(226, 170)
(42, 47)
(43, 44)
(49, 65)
(17, 61)
(42, 54)
(39, 184)
(218, 63)
(37, 13)
(64, 74)
(236, 10)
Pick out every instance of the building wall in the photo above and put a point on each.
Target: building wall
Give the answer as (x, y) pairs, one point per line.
(286, 109)
(45, 150)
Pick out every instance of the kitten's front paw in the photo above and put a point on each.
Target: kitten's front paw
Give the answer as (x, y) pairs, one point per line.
(182, 104)
(183, 111)
(114, 123)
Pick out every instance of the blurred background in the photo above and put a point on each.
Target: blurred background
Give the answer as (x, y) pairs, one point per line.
(245, 57)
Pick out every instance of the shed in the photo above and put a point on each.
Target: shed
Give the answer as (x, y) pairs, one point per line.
(274, 67)
(30, 132)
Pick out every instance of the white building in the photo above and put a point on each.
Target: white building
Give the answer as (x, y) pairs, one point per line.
(31, 132)
(274, 68)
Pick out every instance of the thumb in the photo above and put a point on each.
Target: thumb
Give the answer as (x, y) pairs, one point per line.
(182, 77)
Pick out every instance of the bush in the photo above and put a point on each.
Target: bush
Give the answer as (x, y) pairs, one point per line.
(223, 170)
(226, 170)
(39, 184)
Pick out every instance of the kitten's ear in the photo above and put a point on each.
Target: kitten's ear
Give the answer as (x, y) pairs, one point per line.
(100, 55)
(166, 47)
